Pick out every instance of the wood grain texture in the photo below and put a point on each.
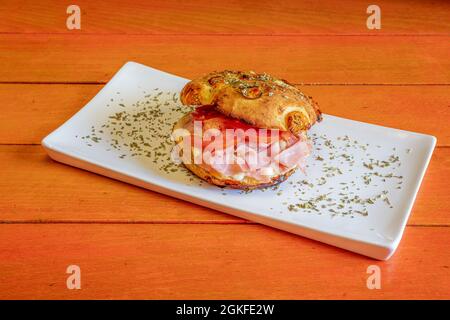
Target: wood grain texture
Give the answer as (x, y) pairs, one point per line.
(211, 262)
(426, 109)
(133, 243)
(309, 59)
(37, 189)
(231, 17)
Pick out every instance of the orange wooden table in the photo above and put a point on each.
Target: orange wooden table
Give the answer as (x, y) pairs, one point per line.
(133, 243)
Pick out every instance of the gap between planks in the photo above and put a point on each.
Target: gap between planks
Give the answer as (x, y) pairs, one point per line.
(227, 34)
(163, 222)
(295, 84)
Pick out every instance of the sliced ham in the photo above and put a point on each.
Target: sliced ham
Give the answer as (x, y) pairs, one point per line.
(269, 154)
(294, 155)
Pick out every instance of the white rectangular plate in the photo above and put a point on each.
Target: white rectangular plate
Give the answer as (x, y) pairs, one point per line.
(356, 192)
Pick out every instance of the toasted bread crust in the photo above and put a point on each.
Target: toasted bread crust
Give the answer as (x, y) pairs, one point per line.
(258, 99)
(247, 183)
(182, 122)
(216, 178)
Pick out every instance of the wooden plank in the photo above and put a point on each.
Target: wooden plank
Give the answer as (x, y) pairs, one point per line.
(218, 17)
(39, 189)
(34, 188)
(211, 262)
(309, 59)
(42, 108)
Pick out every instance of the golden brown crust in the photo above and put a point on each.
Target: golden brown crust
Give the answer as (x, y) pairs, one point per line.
(259, 99)
(247, 183)
(182, 123)
(216, 178)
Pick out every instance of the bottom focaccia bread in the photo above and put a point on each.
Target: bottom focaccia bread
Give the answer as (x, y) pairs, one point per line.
(278, 153)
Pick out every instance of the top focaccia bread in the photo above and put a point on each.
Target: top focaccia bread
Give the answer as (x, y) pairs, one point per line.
(259, 99)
